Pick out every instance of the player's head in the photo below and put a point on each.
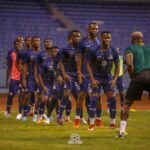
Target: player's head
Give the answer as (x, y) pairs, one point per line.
(137, 38)
(69, 39)
(48, 43)
(28, 41)
(106, 37)
(93, 29)
(36, 42)
(75, 36)
(17, 45)
(54, 51)
(21, 40)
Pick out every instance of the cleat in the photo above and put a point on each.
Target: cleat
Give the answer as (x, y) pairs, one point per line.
(113, 126)
(76, 123)
(83, 121)
(132, 110)
(98, 122)
(67, 119)
(59, 121)
(91, 127)
(34, 119)
(121, 135)
(51, 118)
(7, 115)
(24, 118)
(31, 114)
(47, 121)
(19, 116)
(44, 116)
(39, 120)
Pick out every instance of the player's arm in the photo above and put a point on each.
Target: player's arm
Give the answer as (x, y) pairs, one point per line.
(8, 70)
(7, 74)
(62, 68)
(25, 73)
(89, 70)
(36, 73)
(79, 64)
(58, 76)
(45, 89)
(129, 63)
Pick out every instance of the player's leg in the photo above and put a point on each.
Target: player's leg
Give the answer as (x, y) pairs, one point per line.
(13, 90)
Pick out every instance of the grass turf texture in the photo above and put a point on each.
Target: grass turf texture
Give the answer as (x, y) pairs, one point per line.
(18, 135)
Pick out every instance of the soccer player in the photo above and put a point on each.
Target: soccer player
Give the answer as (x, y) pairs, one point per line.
(120, 79)
(30, 79)
(20, 60)
(42, 57)
(138, 65)
(68, 67)
(88, 43)
(99, 67)
(14, 74)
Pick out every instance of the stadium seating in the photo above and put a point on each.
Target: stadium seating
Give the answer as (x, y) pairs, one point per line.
(31, 17)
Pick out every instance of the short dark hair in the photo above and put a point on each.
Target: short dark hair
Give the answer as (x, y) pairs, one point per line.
(54, 47)
(35, 37)
(106, 31)
(71, 32)
(47, 38)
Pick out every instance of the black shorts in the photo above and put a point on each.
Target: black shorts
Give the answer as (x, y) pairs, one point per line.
(138, 84)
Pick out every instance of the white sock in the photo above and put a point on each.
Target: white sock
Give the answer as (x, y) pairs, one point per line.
(91, 120)
(123, 124)
(112, 120)
(77, 117)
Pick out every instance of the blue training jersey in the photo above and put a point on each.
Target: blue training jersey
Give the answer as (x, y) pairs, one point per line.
(102, 61)
(85, 46)
(69, 59)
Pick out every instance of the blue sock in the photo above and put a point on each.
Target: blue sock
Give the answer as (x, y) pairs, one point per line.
(87, 103)
(25, 110)
(112, 107)
(41, 107)
(98, 112)
(9, 102)
(122, 99)
(62, 106)
(68, 108)
(28, 108)
(94, 100)
(78, 111)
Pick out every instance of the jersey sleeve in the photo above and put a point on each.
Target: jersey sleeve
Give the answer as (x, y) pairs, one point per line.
(26, 58)
(128, 50)
(116, 57)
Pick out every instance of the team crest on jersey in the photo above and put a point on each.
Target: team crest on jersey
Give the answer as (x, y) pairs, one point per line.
(110, 57)
(98, 58)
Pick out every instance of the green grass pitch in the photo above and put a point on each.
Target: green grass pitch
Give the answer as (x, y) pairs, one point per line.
(18, 135)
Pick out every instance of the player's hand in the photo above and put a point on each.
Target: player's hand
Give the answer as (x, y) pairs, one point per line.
(94, 83)
(80, 78)
(45, 89)
(66, 77)
(113, 83)
(59, 79)
(24, 83)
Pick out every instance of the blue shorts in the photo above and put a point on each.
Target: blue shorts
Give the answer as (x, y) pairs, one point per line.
(14, 87)
(103, 83)
(73, 86)
(84, 85)
(31, 85)
(120, 83)
(50, 89)
(57, 90)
